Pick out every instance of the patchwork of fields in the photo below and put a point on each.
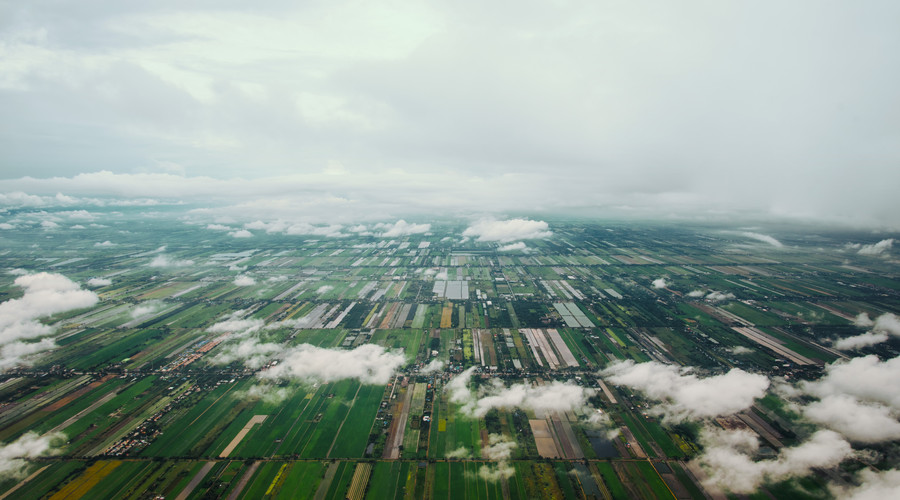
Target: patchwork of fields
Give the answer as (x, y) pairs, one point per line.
(421, 366)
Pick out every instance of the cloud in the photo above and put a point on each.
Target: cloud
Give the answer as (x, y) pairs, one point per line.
(6, 225)
(324, 289)
(739, 349)
(765, 238)
(29, 445)
(660, 283)
(265, 392)
(163, 260)
(729, 463)
(218, 227)
(401, 228)
(297, 228)
(49, 224)
(146, 309)
(513, 246)
(106, 243)
(696, 294)
(715, 296)
(505, 231)
(433, 366)
(500, 449)
(240, 233)
(368, 363)
(879, 248)
(863, 320)
(99, 282)
(858, 398)
(244, 280)
(45, 294)
(252, 353)
(542, 399)
(859, 341)
(874, 485)
(461, 452)
(684, 395)
(235, 323)
(857, 421)
(887, 323)
(844, 377)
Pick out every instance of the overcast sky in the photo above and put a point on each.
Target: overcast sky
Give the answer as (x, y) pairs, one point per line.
(682, 109)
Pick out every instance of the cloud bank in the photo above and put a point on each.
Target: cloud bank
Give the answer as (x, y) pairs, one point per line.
(369, 363)
(686, 396)
(45, 294)
(542, 399)
(506, 231)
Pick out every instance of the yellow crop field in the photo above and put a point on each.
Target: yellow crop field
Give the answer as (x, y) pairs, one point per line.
(446, 316)
(83, 484)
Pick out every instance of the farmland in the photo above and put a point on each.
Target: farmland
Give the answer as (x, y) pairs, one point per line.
(241, 368)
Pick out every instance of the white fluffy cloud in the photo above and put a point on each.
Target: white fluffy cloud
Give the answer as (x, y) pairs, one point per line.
(500, 449)
(765, 238)
(683, 394)
(163, 260)
(29, 445)
(880, 485)
(237, 324)
(45, 294)
(240, 233)
(267, 393)
(846, 377)
(401, 228)
(249, 351)
(324, 289)
(244, 280)
(542, 399)
(104, 244)
(728, 458)
(369, 363)
(297, 228)
(715, 296)
(858, 398)
(859, 422)
(99, 282)
(520, 245)
(433, 366)
(879, 248)
(506, 231)
(859, 341)
(659, 283)
(696, 294)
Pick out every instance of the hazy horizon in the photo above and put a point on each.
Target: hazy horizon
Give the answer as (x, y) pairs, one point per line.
(342, 112)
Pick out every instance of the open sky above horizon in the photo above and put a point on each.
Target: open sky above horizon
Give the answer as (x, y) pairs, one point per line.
(353, 110)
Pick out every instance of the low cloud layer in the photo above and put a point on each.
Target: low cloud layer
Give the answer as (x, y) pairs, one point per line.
(880, 248)
(433, 366)
(728, 459)
(659, 283)
(512, 247)
(765, 238)
(500, 449)
(244, 280)
(163, 260)
(685, 395)
(506, 231)
(30, 445)
(401, 228)
(858, 398)
(369, 363)
(542, 399)
(45, 294)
